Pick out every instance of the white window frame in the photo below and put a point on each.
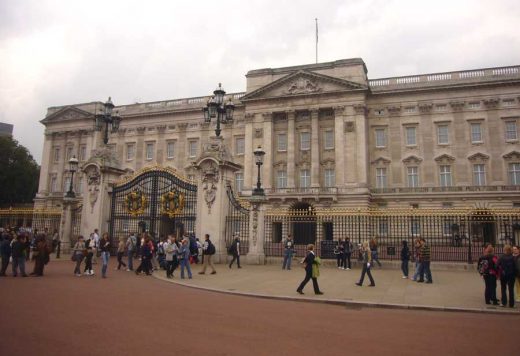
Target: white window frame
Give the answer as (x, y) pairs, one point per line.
(514, 173)
(476, 135)
(240, 145)
(193, 148)
(305, 178)
(479, 174)
(239, 182)
(380, 137)
(328, 139)
(381, 181)
(329, 180)
(445, 178)
(82, 153)
(53, 183)
(305, 141)
(69, 152)
(412, 174)
(130, 151)
(149, 153)
(66, 183)
(411, 135)
(79, 185)
(511, 130)
(170, 149)
(281, 142)
(443, 135)
(57, 154)
(281, 179)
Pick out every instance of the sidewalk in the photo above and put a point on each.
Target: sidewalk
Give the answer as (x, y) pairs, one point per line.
(451, 291)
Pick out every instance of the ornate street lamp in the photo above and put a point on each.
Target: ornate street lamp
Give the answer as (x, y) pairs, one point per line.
(73, 167)
(107, 118)
(259, 160)
(217, 109)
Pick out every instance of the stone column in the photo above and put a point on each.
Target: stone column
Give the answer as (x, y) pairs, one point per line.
(290, 149)
(249, 173)
(361, 129)
(43, 188)
(66, 225)
(315, 149)
(339, 146)
(256, 253)
(267, 174)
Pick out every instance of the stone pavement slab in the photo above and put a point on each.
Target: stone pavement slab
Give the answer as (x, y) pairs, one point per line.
(455, 290)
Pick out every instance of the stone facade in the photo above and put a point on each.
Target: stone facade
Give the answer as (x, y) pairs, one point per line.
(333, 138)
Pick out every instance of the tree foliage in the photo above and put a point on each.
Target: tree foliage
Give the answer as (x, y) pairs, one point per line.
(19, 173)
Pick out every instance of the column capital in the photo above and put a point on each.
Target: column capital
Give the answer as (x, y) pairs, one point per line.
(339, 110)
(314, 112)
(360, 109)
(267, 116)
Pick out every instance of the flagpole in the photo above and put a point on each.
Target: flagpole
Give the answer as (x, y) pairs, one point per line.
(316, 19)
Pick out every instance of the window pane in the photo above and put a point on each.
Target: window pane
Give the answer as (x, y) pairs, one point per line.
(192, 148)
(479, 174)
(380, 177)
(239, 146)
(413, 177)
(239, 182)
(305, 178)
(514, 173)
(442, 134)
(170, 149)
(380, 138)
(476, 133)
(282, 142)
(305, 141)
(329, 139)
(511, 133)
(330, 179)
(281, 179)
(445, 176)
(149, 151)
(410, 136)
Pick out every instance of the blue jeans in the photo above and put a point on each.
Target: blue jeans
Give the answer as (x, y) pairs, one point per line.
(185, 263)
(18, 262)
(424, 269)
(404, 267)
(130, 265)
(287, 258)
(105, 256)
(416, 272)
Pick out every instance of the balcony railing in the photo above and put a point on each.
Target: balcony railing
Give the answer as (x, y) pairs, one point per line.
(480, 188)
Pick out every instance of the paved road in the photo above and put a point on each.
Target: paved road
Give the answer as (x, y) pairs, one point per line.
(124, 314)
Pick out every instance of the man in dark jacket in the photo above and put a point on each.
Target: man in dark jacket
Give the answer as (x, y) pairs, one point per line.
(19, 254)
(5, 252)
(234, 249)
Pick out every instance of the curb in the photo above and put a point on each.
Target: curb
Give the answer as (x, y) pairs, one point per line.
(346, 303)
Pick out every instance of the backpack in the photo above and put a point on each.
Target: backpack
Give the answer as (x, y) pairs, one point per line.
(194, 250)
(483, 266)
(508, 267)
(211, 248)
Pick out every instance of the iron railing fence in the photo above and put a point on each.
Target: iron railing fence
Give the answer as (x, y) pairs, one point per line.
(455, 235)
(237, 222)
(31, 219)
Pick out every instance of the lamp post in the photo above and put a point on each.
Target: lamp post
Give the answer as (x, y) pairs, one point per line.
(259, 160)
(217, 109)
(73, 167)
(106, 117)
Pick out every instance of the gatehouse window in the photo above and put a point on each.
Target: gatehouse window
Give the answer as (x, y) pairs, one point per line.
(328, 137)
(130, 152)
(192, 148)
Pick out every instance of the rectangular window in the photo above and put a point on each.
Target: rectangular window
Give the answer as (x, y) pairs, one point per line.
(330, 178)
(239, 145)
(79, 185)
(305, 178)
(443, 137)
(130, 152)
(380, 177)
(380, 138)
(82, 153)
(282, 142)
(328, 138)
(149, 151)
(53, 183)
(281, 179)
(66, 184)
(479, 174)
(409, 109)
(70, 151)
(441, 107)
(192, 148)
(476, 133)
(514, 173)
(305, 141)
(445, 176)
(56, 154)
(239, 182)
(474, 105)
(511, 132)
(413, 177)
(170, 149)
(410, 136)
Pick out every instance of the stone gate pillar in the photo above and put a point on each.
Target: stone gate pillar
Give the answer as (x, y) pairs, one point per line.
(216, 170)
(256, 253)
(65, 233)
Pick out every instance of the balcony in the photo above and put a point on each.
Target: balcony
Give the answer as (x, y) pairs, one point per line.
(480, 188)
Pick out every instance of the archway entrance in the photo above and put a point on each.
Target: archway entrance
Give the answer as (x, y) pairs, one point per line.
(303, 223)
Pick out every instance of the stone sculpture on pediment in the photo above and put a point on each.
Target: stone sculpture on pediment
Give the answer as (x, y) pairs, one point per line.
(303, 86)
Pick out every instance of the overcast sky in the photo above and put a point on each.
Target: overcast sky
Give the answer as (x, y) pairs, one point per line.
(64, 52)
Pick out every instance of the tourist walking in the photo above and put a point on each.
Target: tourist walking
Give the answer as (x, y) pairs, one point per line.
(516, 255)
(41, 255)
(104, 246)
(288, 252)
(131, 244)
(507, 268)
(89, 246)
(405, 258)
(171, 250)
(184, 257)
(146, 255)
(208, 250)
(367, 264)
(308, 262)
(5, 252)
(340, 254)
(120, 253)
(347, 253)
(424, 263)
(373, 251)
(416, 252)
(95, 246)
(78, 255)
(234, 249)
(487, 267)
(19, 255)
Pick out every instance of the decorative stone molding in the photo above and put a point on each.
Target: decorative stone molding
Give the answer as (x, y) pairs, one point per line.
(478, 157)
(457, 105)
(425, 107)
(512, 156)
(205, 125)
(445, 158)
(339, 110)
(249, 116)
(412, 160)
(303, 86)
(360, 109)
(141, 130)
(381, 161)
(393, 110)
(280, 164)
(491, 102)
(328, 163)
(349, 126)
(255, 224)
(93, 181)
(209, 176)
(161, 128)
(267, 116)
(121, 132)
(259, 133)
(182, 126)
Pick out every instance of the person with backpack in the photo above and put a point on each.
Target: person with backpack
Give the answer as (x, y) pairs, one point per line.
(184, 257)
(507, 268)
(234, 250)
(487, 267)
(208, 250)
(310, 262)
(131, 244)
(194, 249)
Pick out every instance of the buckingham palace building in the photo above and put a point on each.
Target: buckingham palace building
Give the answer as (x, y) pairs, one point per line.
(434, 155)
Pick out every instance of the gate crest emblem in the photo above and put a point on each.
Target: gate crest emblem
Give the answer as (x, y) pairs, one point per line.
(135, 203)
(172, 203)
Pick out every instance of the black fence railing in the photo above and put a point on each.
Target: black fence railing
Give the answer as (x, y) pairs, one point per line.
(454, 235)
(31, 219)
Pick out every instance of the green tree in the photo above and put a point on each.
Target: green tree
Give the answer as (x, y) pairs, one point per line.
(19, 173)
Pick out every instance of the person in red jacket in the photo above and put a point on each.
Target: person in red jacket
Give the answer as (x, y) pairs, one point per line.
(487, 267)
